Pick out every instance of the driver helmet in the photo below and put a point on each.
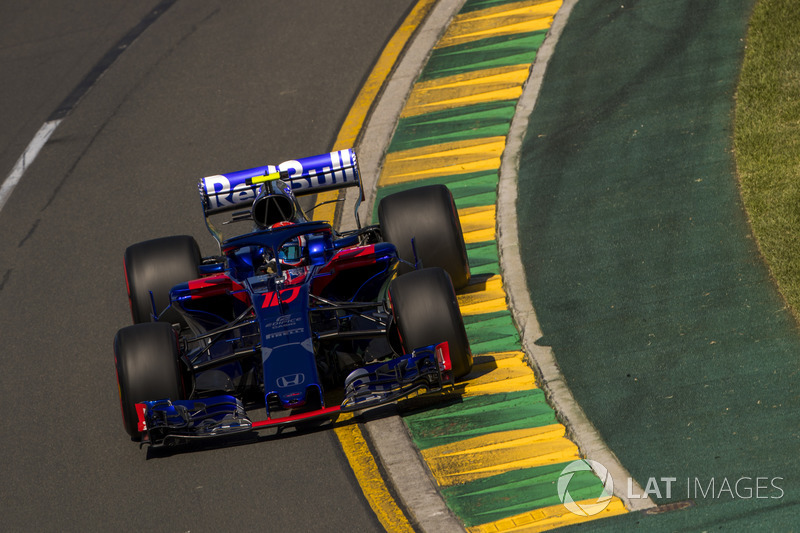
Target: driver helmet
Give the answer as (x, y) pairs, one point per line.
(291, 254)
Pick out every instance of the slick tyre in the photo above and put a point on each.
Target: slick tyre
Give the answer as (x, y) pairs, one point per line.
(428, 216)
(158, 265)
(426, 310)
(146, 359)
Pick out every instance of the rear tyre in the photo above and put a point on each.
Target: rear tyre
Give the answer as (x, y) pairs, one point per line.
(146, 359)
(426, 310)
(428, 215)
(158, 265)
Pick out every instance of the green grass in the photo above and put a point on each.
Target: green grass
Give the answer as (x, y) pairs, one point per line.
(767, 139)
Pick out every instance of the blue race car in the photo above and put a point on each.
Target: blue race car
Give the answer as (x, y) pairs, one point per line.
(291, 321)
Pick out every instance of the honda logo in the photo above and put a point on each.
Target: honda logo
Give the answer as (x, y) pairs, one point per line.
(291, 380)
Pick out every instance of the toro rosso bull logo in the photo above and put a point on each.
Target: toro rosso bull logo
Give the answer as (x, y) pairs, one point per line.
(317, 173)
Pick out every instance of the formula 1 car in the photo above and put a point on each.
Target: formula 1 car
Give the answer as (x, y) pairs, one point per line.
(291, 319)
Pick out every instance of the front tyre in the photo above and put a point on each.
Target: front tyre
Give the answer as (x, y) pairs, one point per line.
(428, 216)
(146, 360)
(157, 266)
(426, 310)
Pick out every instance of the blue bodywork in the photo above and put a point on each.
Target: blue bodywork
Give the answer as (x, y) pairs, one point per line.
(287, 313)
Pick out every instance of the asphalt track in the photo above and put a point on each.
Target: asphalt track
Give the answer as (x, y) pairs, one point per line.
(210, 86)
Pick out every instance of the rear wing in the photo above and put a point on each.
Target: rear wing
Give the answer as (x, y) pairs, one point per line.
(309, 175)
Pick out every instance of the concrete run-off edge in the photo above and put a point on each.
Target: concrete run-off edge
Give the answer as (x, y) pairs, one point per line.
(411, 479)
(541, 358)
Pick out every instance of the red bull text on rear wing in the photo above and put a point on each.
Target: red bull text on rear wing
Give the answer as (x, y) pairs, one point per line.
(309, 175)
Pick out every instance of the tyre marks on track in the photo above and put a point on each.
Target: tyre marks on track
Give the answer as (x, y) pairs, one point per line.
(496, 449)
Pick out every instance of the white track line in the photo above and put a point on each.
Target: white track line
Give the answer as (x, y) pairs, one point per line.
(26, 159)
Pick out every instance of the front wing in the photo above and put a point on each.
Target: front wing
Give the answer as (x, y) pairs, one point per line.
(426, 369)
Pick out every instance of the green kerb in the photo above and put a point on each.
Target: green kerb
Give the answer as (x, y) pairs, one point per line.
(504, 51)
(520, 491)
(475, 416)
(490, 119)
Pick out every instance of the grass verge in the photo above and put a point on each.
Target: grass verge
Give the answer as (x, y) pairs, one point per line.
(767, 139)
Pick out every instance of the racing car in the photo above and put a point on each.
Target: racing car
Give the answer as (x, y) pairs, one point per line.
(290, 321)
